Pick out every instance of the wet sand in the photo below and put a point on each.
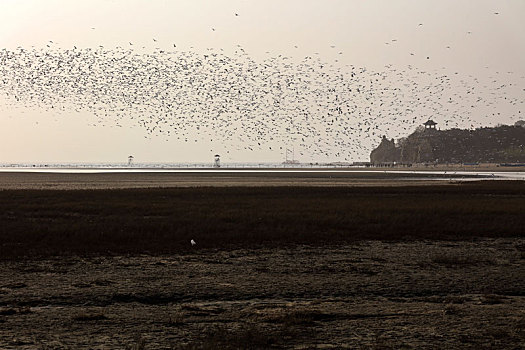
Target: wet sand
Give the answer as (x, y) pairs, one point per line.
(70, 181)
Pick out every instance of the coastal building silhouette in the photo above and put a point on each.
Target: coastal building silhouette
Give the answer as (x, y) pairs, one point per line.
(430, 124)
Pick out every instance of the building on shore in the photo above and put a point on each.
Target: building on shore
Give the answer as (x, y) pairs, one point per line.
(500, 144)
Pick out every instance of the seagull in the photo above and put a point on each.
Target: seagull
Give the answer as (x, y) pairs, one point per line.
(193, 242)
(170, 92)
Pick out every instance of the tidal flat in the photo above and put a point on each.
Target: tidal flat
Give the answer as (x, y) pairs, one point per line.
(386, 267)
(370, 294)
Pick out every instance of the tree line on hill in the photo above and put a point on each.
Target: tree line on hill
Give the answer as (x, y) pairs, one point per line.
(500, 144)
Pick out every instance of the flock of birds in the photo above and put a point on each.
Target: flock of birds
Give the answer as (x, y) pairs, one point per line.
(324, 110)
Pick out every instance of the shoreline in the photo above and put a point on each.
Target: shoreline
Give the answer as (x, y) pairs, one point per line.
(264, 167)
(137, 178)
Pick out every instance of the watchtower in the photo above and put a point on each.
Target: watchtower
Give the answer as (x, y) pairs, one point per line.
(430, 124)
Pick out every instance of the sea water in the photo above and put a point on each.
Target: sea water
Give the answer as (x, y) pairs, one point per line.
(89, 168)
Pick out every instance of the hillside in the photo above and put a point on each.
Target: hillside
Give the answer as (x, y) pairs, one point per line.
(500, 144)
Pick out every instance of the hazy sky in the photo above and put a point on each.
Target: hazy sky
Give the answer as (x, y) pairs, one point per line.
(475, 37)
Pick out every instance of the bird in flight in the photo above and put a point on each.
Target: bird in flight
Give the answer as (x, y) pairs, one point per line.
(171, 94)
(193, 242)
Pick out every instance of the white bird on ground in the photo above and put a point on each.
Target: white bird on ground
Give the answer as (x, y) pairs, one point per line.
(193, 242)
